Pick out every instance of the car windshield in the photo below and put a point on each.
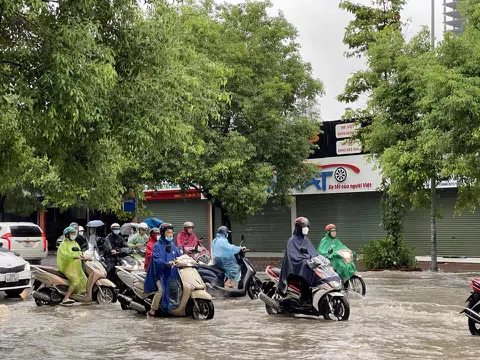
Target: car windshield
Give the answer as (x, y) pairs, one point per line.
(25, 231)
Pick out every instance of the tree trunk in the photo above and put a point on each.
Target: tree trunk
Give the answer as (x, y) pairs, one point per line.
(2, 207)
(226, 222)
(433, 265)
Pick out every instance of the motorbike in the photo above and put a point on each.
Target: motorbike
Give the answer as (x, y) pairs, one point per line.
(472, 311)
(191, 297)
(356, 283)
(326, 299)
(50, 285)
(214, 278)
(199, 253)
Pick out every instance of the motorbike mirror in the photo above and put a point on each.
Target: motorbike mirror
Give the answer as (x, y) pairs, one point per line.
(75, 249)
(243, 237)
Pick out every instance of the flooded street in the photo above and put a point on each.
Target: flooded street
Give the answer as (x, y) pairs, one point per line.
(404, 316)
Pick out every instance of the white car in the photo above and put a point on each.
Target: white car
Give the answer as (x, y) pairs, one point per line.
(15, 273)
(25, 238)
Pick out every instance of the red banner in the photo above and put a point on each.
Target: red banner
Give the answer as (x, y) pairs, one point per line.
(172, 195)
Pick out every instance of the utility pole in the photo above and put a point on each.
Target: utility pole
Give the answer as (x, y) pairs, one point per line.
(433, 185)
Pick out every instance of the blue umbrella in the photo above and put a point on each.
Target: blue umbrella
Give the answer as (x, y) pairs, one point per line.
(95, 223)
(153, 222)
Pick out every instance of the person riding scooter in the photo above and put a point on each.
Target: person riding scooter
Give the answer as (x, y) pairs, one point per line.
(191, 245)
(114, 248)
(295, 261)
(69, 263)
(152, 240)
(162, 274)
(330, 246)
(138, 241)
(224, 256)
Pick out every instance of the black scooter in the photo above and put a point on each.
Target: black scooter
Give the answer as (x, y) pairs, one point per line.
(214, 278)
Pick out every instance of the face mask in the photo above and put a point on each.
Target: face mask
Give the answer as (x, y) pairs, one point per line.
(73, 237)
(116, 232)
(170, 238)
(305, 230)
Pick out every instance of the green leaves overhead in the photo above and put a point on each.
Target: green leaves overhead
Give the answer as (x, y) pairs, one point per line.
(99, 98)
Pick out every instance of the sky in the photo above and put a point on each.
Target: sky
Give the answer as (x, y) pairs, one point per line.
(321, 27)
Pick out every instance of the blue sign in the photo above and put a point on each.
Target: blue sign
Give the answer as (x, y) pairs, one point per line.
(130, 205)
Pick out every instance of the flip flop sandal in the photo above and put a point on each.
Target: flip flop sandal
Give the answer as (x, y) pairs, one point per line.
(67, 302)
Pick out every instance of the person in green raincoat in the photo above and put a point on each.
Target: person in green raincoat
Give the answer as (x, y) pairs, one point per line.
(340, 256)
(138, 242)
(69, 263)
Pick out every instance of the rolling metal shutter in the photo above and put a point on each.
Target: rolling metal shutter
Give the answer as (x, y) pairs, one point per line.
(264, 232)
(177, 212)
(456, 235)
(357, 216)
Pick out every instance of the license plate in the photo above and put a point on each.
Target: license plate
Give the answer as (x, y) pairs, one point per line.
(27, 244)
(9, 278)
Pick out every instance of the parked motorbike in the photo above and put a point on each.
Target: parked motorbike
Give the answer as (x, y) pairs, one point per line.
(326, 299)
(214, 278)
(199, 253)
(192, 298)
(472, 311)
(356, 283)
(50, 285)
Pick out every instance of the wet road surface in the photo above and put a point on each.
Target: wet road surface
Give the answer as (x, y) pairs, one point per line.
(404, 316)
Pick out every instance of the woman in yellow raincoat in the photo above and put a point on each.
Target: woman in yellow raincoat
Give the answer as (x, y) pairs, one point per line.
(70, 264)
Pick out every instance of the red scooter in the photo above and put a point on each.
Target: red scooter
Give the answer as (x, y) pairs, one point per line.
(472, 311)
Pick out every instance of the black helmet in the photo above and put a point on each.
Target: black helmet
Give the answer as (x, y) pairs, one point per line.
(223, 230)
(165, 227)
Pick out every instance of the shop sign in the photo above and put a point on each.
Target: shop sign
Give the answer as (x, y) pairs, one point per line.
(347, 174)
(346, 130)
(348, 147)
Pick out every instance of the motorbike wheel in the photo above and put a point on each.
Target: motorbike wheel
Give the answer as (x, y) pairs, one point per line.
(105, 295)
(340, 306)
(253, 287)
(473, 326)
(41, 302)
(356, 284)
(203, 310)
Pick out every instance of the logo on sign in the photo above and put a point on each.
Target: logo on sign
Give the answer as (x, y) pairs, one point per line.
(339, 174)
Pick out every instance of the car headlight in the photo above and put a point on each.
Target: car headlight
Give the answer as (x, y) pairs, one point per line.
(27, 266)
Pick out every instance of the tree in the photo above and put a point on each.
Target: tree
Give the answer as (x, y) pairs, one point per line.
(259, 140)
(422, 113)
(92, 91)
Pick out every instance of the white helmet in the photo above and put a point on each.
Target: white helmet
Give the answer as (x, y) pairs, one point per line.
(143, 226)
(115, 226)
(80, 228)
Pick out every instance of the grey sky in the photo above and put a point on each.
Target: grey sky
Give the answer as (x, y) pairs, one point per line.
(321, 26)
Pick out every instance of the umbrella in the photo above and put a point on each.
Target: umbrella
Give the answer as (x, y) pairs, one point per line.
(127, 227)
(95, 223)
(153, 222)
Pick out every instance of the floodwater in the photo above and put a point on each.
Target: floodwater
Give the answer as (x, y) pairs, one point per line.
(403, 316)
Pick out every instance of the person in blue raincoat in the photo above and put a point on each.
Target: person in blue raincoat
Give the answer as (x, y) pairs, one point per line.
(224, 256)
(162, 271)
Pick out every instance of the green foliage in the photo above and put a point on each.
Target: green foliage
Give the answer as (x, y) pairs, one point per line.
(259, 139)
(387, 254)
(393, 215)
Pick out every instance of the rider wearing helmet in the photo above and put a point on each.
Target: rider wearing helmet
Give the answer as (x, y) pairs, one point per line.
(294, 266)
(69, 263)
(80, 239)
(162, 276)
(187, 238)
(340, 256)
(224, 256)
(139, 240)
(114, 247)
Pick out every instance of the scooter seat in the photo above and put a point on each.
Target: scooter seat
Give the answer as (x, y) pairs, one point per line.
(274, 270)
(212, 268)
(52, 270)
